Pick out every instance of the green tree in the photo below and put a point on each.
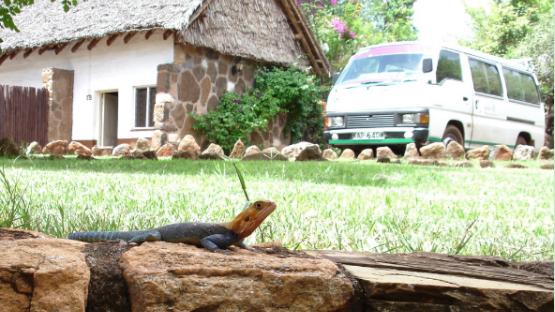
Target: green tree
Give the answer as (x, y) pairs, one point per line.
(345, 26)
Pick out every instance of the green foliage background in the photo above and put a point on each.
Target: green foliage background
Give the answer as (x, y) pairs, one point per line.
(276, 90)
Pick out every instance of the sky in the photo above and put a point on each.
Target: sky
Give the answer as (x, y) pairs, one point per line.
(444, 20)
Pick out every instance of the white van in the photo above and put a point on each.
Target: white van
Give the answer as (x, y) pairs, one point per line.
(398, 93)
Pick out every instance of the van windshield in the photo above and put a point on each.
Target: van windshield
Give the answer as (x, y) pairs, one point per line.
(382, 68)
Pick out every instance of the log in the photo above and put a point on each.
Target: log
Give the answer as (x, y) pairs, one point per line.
(437, 282)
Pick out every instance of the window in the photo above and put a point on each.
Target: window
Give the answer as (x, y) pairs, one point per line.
(144, 107)
(448, 66)
(368, 69)
(521, 86)
(485, 77)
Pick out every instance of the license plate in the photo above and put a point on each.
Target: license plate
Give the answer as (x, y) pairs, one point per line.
(369, 135)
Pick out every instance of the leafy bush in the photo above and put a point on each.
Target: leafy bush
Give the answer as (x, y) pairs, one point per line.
(276, 90)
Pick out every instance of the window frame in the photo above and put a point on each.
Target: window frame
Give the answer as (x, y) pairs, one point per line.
(502, 96)
(148, 113)
(503, 67)
(459, 54)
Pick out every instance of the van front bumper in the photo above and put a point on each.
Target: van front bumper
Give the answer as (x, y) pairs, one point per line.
(389, 136)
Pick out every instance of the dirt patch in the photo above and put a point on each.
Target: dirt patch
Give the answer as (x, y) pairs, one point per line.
(14, 234)
(107, 288)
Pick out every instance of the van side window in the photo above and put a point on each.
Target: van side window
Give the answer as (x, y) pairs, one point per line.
(448, 66)
(485, 77)
(521, 86)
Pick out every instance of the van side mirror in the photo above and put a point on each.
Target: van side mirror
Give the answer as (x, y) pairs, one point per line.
(427, 65)
(334, 77)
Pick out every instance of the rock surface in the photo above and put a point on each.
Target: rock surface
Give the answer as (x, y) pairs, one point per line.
(159, 139)
(502, 153)
(423, 162)
(523, 152)
(142, 144)
(188, 148)
(302, 151)
(454, 150)
(366, 154)
(272, 153)
(411, 151)
(238, 150)
(122, 150)
(166, 150)
(484, 163)
(43, 275)
(347, 154)
(102, 151)
(80, 150)
(56, 148)
(481, 153)
(433, 151)
(174, 277)
(385, 154)
(545, 153)
(33, 148)
(547, 166)
(329, 154)
(213, 151)
(252, 150)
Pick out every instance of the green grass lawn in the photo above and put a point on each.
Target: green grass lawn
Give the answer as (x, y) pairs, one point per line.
(321, 205)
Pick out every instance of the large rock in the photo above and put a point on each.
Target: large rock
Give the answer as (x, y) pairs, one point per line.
(142, 144)
(175, 277)
(411, 151)
(329, 154)
(385, 154)
(238, 150)
(102, 151)
(454, 150)
(43, 275)
(33, 148)
(545, 153)
(122, 150)
(56, 148)
(433, 151)
(347, 154)
(524, 152)
(272, 153)
(366, 154)
(486, 163)
(297, 151)
(80, 150)
(252, 150)
(214, 151)
(547, 166)
(503, 153)
(188, 148)
(166, 150)
(159, 138)
(481, 153)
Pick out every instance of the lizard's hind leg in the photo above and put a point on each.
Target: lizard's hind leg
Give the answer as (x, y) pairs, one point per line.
(150, 236)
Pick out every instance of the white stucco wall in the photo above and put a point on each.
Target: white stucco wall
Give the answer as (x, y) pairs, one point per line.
(119, 67)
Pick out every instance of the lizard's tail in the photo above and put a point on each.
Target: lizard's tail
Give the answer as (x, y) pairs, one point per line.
(92, 237)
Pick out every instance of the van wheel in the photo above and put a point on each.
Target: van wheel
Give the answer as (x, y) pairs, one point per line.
(521, 141)
(452, 133)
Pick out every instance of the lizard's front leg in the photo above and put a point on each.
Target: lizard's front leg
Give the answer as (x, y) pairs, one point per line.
(217, 242)
(150, 236)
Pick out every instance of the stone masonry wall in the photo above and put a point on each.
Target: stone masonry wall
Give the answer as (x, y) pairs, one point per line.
(59, 83)
(194, 83)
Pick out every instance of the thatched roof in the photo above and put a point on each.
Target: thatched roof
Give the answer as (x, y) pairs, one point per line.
(260, 29)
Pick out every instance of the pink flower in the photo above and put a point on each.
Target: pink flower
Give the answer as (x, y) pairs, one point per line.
(352, 34)
(333, 2)
(338, 25)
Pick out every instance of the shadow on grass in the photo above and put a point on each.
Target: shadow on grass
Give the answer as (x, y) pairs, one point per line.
(344, 173)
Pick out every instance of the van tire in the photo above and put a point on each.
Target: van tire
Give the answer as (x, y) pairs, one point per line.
(452, 133)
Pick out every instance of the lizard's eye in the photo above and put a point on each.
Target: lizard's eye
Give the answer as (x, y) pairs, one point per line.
(247, 219)
(258, 206)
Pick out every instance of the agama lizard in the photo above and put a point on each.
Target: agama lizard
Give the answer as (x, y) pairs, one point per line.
(212, 236)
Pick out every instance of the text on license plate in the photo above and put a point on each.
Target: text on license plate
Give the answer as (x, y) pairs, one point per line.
(369, 135)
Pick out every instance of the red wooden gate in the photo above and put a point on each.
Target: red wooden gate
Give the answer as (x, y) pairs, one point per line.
(24, 114)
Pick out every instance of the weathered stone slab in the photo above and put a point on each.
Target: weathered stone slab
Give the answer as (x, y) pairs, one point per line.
(175, 277)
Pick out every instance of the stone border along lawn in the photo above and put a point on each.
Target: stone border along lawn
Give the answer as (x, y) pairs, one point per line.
(344, 205)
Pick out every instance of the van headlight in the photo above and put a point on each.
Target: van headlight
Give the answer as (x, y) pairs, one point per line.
(415, 118)
(335, 122)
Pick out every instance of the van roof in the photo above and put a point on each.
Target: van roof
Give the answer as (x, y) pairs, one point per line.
(420, 46)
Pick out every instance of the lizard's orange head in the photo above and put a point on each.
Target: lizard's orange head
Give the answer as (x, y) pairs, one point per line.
(249, 219)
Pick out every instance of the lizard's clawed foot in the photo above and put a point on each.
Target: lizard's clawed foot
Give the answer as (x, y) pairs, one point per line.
(222, 251)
